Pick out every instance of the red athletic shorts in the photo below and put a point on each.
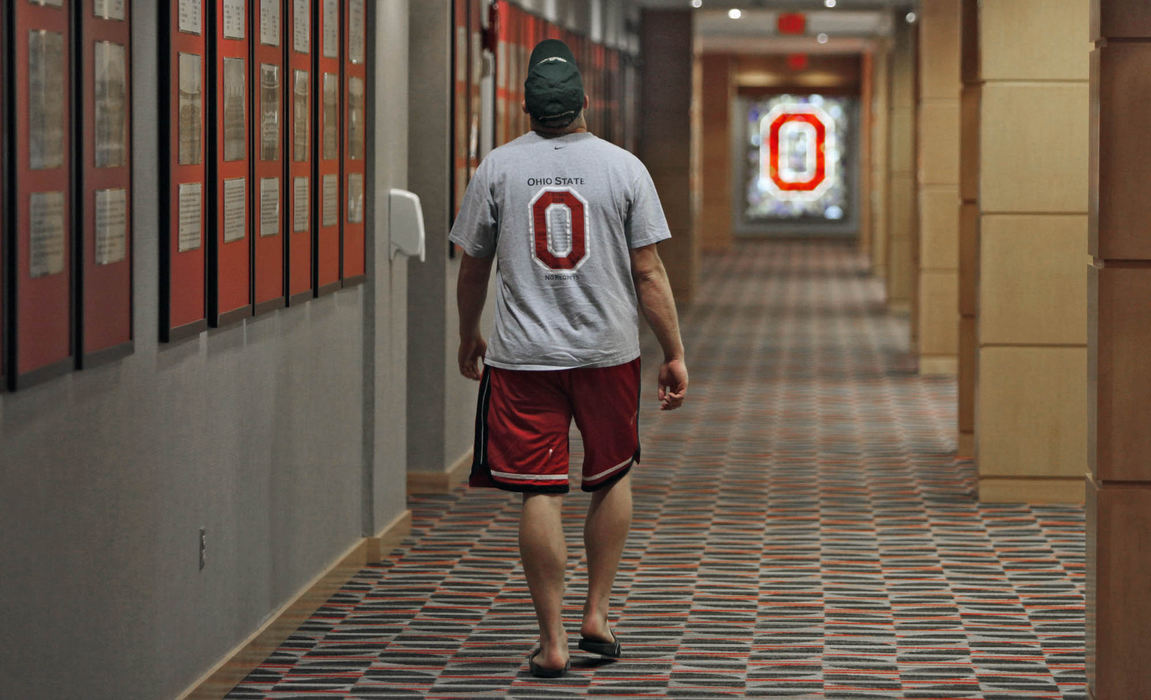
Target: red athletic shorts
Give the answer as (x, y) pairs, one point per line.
(523, 419)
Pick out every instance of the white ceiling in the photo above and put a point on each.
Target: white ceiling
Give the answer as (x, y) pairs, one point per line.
(779, 4)
(849, 26)
(763, 23)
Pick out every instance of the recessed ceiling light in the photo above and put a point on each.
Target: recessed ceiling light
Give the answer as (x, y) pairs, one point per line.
(821, 38)
(697, 3)
(911, 17)
(829, 3)
(735, 13)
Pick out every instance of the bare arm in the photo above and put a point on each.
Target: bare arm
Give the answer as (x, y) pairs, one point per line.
(471, 293)
(658, 306)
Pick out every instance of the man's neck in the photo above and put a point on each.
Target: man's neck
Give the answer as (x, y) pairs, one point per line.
(578, 125)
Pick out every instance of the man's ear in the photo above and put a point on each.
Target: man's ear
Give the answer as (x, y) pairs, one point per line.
(586, 101)
(524, 106)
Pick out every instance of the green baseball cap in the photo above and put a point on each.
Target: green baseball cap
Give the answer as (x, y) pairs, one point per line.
(553, 91)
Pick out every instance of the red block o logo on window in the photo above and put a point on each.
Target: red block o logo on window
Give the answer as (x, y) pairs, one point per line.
(559, 228)
(793, 145)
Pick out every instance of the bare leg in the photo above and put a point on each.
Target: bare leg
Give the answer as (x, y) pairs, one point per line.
(544, 554)
(605, 533)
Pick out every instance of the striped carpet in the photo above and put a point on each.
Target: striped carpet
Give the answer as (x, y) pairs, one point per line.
(802, 530)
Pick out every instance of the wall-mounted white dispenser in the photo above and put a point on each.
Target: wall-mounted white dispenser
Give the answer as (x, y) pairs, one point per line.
(406, 223)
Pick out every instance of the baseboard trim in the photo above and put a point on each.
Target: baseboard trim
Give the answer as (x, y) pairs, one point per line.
(1031, 490)
(938, 365)
(389, 538)
(966, 445)
(440, 482)
(238, 663)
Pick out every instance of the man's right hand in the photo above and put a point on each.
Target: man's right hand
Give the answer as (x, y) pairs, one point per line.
(471, 356)
(672, 384)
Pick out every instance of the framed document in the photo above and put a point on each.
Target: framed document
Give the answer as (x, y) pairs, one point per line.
(104, 330)
(300, 114)
(191, 109)
(191, 18)
(300, 205)
(301, 26)
(266, 157)
(331, 201)
(47, 118)
(234, 18)
(298, 151)
(356, 118)
(235, 209)
(331, 22)
(356, 31)
(47, 234)
(270, 22)
(270, 103)
(191, 216)
(110, 103)
(111, 216)
(270, 206)
(326, 173)
(39, 246)
(331, 116)
(355, 198)
(184, 64)
(229, 250)
(352, 153)
(235, 112)
(109, 9)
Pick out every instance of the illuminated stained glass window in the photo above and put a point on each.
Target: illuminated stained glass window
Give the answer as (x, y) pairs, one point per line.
(796, 159)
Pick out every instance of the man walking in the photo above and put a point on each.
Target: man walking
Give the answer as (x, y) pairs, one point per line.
(573, 222)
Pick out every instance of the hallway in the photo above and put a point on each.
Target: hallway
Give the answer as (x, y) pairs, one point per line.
(802, 529)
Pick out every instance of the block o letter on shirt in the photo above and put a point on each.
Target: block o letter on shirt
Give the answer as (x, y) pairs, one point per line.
(559, 228)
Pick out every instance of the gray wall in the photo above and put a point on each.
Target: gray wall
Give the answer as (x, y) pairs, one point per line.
(441, 403)
(386, 310)
(282, 436)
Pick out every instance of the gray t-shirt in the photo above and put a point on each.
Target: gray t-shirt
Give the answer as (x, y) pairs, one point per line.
(561, 214)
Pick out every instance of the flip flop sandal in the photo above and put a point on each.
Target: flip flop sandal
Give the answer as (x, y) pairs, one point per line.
(543, 671)
(609, 649)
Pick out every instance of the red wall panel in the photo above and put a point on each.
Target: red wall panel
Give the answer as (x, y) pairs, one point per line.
(352, 261)
(230, 247)
(270, 88)
(42, 344)
(183, 214)
(298, 136)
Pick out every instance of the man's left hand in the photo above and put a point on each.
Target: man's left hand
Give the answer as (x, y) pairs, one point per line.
(471, 356)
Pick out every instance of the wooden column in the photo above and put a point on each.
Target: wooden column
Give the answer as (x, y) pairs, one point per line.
(880, 137)
(714, 109)
(665, 137)
(937, 145)
(901, 171)
(866, 146)
(1119, 374)
(1031, 407)
(968, 226)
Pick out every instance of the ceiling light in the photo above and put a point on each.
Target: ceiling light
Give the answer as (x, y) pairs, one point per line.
(821, 38)
(697, 3)
(829, 3)
(911, 17)
(734, 13)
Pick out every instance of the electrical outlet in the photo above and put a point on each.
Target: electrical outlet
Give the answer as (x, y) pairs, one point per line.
(203, 547)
